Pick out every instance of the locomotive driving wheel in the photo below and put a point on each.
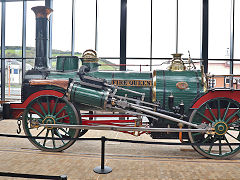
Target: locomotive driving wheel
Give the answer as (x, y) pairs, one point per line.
(50, 110)
(223, 115)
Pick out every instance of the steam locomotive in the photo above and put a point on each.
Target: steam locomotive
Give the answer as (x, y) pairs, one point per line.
(174, 103)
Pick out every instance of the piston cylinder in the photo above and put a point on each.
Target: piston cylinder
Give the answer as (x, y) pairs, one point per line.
(82, 95)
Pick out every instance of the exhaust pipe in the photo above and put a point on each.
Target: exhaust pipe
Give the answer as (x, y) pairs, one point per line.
(42, 14)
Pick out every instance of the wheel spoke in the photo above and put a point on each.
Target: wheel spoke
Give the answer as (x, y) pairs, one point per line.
(237, 122)
(219, 109)
(210, 110)
(54, 108)
(46, 137)
(232, 136)
(59, 135)
(48, 105)
(234, 114)
(62, 117)
(37, 112)
(60, 111)
(226, 111)
(53, 140)
(30, 120)
(220, 146)
(41, 131)
(228, 143)
(205, 117)
(206, 139)
(64, 131)
(43, 110)
(210, 147)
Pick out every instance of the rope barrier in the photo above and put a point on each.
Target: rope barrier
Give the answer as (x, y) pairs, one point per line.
(33, 176)
(122, 140)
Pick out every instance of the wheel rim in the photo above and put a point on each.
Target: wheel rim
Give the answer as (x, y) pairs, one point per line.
(223, 115)
(50, 110)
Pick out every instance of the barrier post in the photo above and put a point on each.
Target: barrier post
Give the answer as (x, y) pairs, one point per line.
(102, 169)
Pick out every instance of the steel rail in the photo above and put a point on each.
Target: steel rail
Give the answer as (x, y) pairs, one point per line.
(116, 128)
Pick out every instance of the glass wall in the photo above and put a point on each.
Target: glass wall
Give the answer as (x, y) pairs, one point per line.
(97, 26)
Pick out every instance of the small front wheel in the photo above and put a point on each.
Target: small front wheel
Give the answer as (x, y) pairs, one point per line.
(50, 109)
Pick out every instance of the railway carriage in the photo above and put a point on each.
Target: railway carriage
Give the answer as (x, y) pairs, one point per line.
(174, 103)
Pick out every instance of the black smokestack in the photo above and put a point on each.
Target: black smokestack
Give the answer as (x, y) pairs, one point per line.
(42, 13)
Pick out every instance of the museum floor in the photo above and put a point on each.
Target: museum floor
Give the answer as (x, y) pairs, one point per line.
(128, 161)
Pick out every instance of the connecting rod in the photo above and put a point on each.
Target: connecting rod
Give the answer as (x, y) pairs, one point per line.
(163, 116)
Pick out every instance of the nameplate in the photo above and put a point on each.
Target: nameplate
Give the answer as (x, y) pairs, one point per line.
(145, 83)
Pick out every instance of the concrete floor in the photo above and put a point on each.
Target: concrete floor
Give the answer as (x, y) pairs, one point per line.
(128, 161)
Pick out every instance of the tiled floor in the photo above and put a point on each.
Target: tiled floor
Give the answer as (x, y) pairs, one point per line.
(128, 161)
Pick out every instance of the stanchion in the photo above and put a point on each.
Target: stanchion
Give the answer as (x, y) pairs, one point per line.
(102, 169)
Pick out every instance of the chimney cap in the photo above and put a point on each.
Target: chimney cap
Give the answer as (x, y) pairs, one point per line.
(42, 11)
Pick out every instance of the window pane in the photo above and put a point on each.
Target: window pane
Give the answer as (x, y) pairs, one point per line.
(189, 27)
(109, 28)
(219, 28)
(62, 26)
(164, 28)
(13, 34)
(138, 28)
(85, 15)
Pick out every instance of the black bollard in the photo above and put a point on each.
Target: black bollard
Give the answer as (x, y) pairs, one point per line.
(102, 169)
